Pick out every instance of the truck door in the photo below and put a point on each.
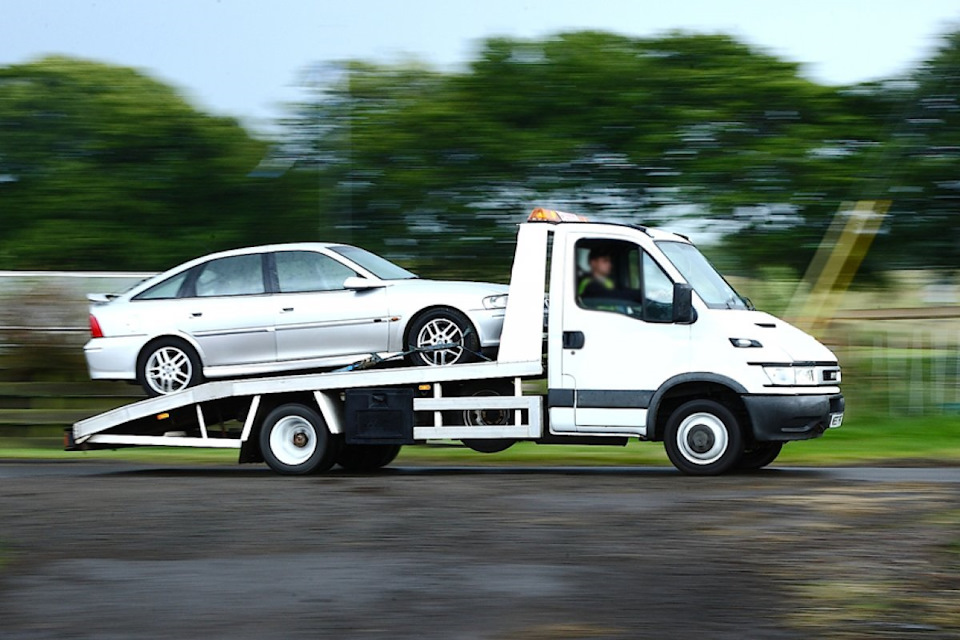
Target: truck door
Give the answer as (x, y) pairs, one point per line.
(619, 340)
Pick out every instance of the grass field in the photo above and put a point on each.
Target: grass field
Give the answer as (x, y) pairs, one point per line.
(921, 440)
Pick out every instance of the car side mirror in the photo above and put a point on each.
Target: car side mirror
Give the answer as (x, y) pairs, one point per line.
(683, 311)
(357, 283)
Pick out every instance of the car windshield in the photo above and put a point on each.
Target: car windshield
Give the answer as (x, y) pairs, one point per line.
(700, 274)
(380, 267)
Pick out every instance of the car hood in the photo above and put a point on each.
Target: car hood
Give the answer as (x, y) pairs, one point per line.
(447, 288)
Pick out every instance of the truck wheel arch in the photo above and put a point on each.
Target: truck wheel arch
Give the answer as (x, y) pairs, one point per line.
(685, 386)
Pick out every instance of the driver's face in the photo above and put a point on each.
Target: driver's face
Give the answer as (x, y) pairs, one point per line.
(601, 266)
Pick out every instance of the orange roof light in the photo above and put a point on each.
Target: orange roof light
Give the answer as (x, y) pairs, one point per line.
(548, 215)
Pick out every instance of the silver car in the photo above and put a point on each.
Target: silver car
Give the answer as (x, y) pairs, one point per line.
(285, 307)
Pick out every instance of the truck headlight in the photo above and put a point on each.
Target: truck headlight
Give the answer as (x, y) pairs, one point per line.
(791, 376)
(498, 301)
(746, 343)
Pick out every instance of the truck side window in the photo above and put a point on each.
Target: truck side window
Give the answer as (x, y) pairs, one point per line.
(619, 277)
(608, 276)
(657, 292)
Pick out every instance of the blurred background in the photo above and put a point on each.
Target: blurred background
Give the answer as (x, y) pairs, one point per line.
(813, 152)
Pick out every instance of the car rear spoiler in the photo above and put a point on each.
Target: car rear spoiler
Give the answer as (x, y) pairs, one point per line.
(101, 298)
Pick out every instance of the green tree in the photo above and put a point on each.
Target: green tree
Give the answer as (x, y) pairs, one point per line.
(102, 167)
(620, 127)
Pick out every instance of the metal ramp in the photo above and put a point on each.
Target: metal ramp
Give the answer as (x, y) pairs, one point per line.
(190, 418)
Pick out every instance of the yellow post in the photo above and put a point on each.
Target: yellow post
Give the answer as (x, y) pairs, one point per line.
(836, 262)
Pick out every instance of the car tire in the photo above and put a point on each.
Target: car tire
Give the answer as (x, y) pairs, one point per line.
(442, 326)
(168, 365)
(493, 417)
(364, 458)
(703, 438)
(294, 440)
(757, 455)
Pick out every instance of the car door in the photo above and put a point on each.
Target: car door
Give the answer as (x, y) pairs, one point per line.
(225, 309)
(620, 341)
(316, 317)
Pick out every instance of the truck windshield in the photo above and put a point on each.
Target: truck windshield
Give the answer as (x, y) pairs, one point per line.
(380, 267)
(700, 274)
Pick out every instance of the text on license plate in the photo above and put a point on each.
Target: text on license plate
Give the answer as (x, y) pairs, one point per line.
(836, 419)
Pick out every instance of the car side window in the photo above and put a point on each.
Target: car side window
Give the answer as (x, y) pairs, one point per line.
(166, 290)
(303, 271)
(233, 276)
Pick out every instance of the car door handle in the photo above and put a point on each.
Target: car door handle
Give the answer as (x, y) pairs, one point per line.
(573, 339)
(196, 314)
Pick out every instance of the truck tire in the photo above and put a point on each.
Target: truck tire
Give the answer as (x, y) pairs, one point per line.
(442, 326)
(757, 455)
(481, 418)
(364, 458)
(703, 438)
(294, 440)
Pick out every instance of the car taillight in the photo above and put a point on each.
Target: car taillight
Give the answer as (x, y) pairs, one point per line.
(95, 330)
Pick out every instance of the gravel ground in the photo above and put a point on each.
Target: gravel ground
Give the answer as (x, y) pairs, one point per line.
(99, 550)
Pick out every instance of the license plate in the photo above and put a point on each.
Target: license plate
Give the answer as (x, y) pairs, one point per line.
(836, 419)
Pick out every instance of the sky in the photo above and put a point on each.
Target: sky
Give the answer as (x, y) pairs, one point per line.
(242, 57)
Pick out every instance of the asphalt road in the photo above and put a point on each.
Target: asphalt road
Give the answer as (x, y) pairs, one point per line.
(100, 550)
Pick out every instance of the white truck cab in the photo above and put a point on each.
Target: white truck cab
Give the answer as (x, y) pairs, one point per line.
(666, 349)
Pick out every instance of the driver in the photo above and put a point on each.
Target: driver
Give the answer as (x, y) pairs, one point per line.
(598, 283)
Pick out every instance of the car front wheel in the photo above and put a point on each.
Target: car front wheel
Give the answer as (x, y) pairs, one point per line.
(440, 337)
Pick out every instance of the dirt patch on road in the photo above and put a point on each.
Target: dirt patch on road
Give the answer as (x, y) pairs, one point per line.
(227, 553)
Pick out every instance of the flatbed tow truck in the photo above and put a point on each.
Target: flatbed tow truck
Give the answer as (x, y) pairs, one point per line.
(667, 352)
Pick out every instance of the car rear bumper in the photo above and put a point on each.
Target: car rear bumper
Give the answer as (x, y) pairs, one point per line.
(113, 358)
(783, 418)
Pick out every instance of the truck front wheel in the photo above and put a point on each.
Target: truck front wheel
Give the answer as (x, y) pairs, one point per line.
(294, 441)
(703, 438)
(364, 458)
(758, 455)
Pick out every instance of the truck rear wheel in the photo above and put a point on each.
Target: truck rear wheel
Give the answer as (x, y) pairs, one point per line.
(294, 440)
(487, 417)
(758, 455)
(703, 438)
(363, 458)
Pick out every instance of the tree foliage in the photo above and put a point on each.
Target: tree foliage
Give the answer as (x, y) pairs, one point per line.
(103, 167)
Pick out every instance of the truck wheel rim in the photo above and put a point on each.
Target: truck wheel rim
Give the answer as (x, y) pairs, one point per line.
(435, 334)
(293, 440)
(168, 369)
(486, 417)
(702, 438)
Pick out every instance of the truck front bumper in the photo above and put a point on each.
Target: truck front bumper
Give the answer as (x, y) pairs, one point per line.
(785, 418)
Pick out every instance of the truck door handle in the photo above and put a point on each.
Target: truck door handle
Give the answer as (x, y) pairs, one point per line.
(573, 339)
(196, 314)
(286, 310)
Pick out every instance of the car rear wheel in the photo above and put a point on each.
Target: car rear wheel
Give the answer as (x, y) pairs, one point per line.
(167, 366)
(440, 337)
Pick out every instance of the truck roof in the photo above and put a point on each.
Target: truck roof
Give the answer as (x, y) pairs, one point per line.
(653, 232)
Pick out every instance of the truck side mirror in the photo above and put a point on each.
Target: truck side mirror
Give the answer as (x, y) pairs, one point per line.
(683, 311)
